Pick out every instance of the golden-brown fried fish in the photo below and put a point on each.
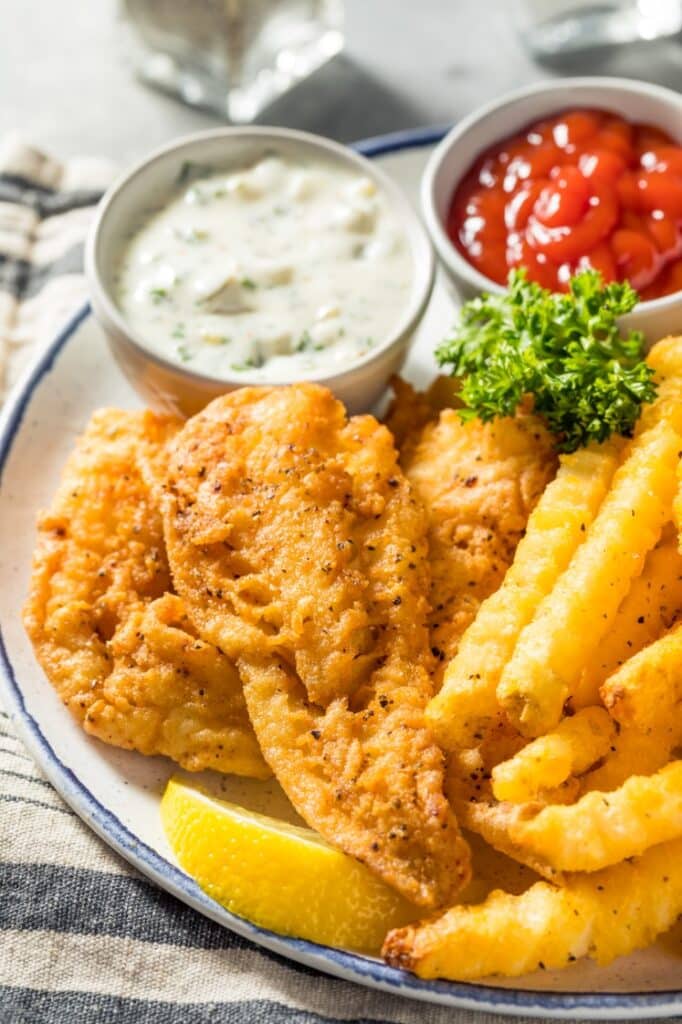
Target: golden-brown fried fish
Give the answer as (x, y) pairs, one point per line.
(479, 483)
(296, 542)
(116, 645)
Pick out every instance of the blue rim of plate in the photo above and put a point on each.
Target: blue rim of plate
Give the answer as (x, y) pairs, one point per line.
(341, 964)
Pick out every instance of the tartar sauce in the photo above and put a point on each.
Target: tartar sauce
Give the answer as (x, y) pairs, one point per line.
(272, 271)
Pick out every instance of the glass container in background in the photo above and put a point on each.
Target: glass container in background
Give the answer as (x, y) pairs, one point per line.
(551, 28)
(233, 57)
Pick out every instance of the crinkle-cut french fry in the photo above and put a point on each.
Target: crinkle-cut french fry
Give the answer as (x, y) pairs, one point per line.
(666, 359)
(646, 692)
(576, 744)
(491, 822)
(632, 753)
(677, 506)
(551, 652)
(555, 529)
(603, 828)
(467, 786)
(652, 605)
(601, 916)
(468, 771)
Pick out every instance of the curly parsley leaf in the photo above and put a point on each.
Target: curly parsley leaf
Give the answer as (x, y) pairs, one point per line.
(586, 379)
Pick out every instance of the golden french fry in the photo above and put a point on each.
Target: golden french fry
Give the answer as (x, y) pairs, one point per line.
(602, 828)
(645, 693)
(546, 666)
(467, 786)
(666, 359)
(555, 529)
(490, 821)
(576, 744)
(677, 505)
(651, 606)
(601, 916)
(632, 753)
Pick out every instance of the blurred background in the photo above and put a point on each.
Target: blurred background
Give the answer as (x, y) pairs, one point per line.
(70, 72)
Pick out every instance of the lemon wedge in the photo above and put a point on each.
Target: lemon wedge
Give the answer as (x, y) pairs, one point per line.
(280, 876)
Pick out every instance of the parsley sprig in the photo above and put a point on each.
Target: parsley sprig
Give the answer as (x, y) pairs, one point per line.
(586, 379)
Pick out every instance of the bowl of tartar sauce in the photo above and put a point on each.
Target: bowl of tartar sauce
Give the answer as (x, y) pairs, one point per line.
(257, 256)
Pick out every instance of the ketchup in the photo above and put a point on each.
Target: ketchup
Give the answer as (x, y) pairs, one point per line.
(585, 188)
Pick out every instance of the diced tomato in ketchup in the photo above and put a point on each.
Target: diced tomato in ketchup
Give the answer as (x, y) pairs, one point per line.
(575, 127)
(601, 165)
(636, 256)
(564, 200)
(617, 135)
(667, 235)
(661, 191)
(585, 188)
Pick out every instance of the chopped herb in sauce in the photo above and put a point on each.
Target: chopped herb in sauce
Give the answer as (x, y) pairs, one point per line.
(305, 342)
(252, 268)
(252, 363)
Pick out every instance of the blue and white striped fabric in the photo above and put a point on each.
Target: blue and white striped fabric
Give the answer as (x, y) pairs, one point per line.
(45, 208)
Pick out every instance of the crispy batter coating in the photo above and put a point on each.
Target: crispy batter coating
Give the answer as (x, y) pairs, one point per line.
(479, 483)
(300, 550)
(408, 414)
(116, 645)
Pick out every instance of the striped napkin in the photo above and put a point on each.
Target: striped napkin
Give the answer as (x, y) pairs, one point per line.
(85, 938)
(45, 208)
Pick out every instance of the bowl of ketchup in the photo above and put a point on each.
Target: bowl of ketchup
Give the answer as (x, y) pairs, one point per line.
(560, 177)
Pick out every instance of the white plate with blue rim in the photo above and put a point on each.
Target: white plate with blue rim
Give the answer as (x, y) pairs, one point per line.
(118, 792)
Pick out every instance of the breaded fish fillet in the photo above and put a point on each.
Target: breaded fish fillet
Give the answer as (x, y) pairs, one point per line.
(114, 642)
(296, 542)
(479, 483)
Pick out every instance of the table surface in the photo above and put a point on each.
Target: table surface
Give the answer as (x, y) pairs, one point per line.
(68, 83)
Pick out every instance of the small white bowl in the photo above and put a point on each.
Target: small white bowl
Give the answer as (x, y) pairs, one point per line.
(638, 101)
(169, 387)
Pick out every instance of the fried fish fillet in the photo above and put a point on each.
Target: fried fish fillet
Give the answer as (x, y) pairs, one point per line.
(479, 483)
(300, 550)
(113, 641)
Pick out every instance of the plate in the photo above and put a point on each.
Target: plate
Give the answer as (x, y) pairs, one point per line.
(117, 792)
